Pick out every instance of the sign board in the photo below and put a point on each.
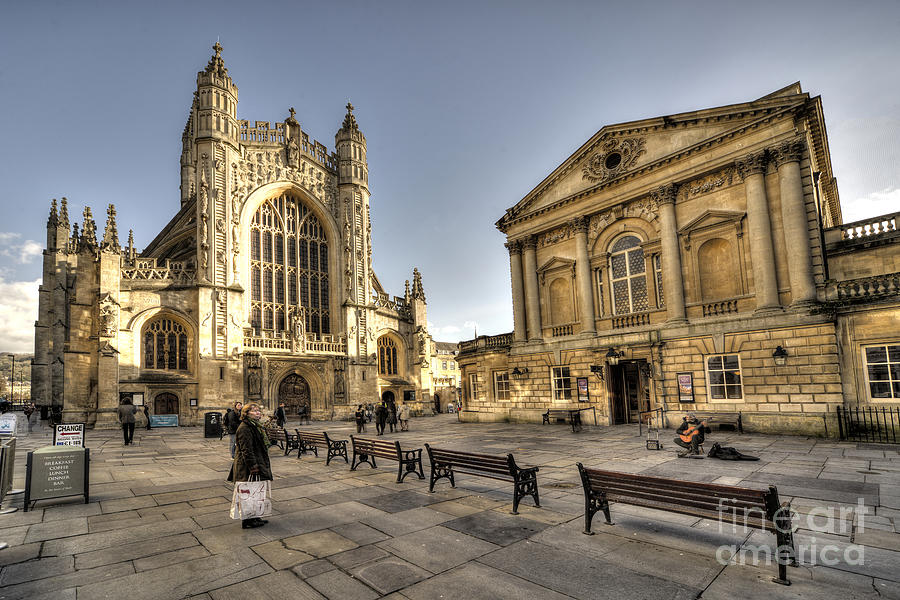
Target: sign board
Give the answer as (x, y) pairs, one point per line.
(685, 387)
(68, 434)
(8, 422)
(7, 465)
(57, 472)
(583, 393)
(163, 420)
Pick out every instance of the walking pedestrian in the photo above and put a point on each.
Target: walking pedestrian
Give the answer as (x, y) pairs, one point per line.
(251, 456)
(280, 417)
(232, 420)
(360, 419)
(392, 415)
(404, 417)
(28, 411)
(147, 416)
(381, 414)
(125, 413)
(369, 412)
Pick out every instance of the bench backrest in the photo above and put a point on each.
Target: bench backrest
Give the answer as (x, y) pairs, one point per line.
(718, 416)
(497, 465)
(376, 447)
(277, 434)
(715, 498)
(320, 439)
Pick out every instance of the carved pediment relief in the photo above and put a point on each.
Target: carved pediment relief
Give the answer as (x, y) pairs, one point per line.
(614, 157)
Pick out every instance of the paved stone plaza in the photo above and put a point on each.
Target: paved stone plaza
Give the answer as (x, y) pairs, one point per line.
(157, 526)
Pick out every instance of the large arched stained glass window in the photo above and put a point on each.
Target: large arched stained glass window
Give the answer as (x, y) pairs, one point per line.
(387, 356)
(165, 345)
(628, 277)
(288, 268)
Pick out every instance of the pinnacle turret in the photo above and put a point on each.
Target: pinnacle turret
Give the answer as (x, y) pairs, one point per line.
(53, 221)
(111, 235)
(350, 120)
(131, 245)
(64, 213)
(418, 291)
(88, 231)
(216, 65)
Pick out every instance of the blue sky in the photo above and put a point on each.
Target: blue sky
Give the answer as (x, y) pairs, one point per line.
(466, 106)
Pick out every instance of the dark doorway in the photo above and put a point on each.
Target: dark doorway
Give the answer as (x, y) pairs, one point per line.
(387, 397)
(165, 404)
(437, 403)
(294, 392)
(629, 391)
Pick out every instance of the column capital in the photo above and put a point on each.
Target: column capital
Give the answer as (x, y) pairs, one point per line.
(529, 242)
(665, 194)
(514, 246)
(787, 152)
(752, 164)
(580, 224)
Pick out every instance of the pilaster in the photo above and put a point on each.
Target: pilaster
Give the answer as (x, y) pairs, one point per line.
(753, 170)
(532, 293)
(796, 224)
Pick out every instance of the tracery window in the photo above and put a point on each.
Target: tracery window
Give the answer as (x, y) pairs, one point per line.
(165, 345)
(628, 278)
(387, 356)
(288, 268)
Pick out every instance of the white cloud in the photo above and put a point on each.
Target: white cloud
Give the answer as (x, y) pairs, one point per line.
(12, 247)
(18, 312)
(874, 204)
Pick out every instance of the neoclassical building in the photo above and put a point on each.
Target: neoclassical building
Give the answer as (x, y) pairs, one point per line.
(696, 261)
(260, 287)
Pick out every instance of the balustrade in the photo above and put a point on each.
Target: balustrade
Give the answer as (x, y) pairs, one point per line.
(561, 330)
(869, 287)
(722, 307)
(632, 320)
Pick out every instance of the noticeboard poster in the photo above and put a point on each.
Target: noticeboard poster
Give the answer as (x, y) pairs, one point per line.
(685, 387)
(164, 420)
(583, 393)
(68, 434)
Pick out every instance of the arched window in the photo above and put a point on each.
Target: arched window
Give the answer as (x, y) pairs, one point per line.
(627, 274)
(165, 345)
(387, 356)
(288, 268)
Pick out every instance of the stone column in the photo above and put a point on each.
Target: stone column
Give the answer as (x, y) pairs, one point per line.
(796, 225)
(583, 276)
(518, 290)
(532, 298)
(753, 170)
(671, 254)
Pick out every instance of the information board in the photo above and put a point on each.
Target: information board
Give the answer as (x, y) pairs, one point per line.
(57, 472)
(163, 420)
(8, 423)
(68, 434)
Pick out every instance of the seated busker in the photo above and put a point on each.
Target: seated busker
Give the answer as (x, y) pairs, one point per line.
(691, 434)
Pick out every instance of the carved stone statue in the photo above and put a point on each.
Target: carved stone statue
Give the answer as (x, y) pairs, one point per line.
(253, 383)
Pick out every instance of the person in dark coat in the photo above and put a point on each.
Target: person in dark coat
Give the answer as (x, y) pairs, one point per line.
(232, 420)
(280, 417)
(125, 413)
(147, 416)
(392, 416)
(360, 419)
(251, 456)
(381, 413)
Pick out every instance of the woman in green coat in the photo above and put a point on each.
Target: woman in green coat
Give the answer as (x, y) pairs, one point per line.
(251, 454)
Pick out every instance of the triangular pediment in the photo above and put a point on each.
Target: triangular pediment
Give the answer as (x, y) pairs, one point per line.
(556, 263)
(711, 218)
(620, 152)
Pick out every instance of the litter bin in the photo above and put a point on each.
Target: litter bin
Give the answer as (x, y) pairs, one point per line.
(213, 425)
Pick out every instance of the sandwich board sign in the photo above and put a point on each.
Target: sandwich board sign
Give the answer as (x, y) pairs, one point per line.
(68, 434)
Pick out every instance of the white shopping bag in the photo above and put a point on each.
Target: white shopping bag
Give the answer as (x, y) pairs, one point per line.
(251, 499)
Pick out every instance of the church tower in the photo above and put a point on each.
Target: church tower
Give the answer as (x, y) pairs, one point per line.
(353, 191)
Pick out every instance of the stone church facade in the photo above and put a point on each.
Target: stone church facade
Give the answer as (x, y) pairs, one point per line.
(260, 287)
(695, 262)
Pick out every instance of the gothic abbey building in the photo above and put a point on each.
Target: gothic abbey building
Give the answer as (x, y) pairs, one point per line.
(695, 262)
(261, 286)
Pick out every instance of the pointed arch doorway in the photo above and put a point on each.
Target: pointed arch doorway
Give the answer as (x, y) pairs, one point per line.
(294, 392)
(165, 404)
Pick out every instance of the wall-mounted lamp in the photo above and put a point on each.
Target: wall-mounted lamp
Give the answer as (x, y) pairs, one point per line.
(613, 357)
(780, 355)
(518, 373)
(598, 371)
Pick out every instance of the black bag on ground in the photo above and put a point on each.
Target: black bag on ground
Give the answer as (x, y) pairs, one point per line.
(728, 453)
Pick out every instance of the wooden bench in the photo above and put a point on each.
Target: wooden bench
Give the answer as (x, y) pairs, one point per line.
(572, 415)
(313, 441)
(444, 463)
(759, 509)
(277, 436)
(365, 450)
(722, 418)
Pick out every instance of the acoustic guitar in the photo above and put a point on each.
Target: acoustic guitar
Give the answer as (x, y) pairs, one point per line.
(692, 431)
